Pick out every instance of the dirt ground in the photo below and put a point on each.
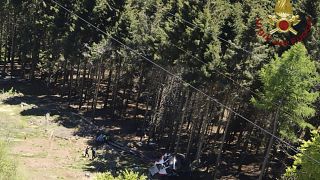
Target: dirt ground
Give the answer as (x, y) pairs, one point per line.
(51, 159)
(42, 148)
(51, 146)
(48, 140)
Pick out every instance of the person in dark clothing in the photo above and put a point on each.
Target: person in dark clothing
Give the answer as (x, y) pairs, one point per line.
(86, 152)
(93, 152)
(140, 133)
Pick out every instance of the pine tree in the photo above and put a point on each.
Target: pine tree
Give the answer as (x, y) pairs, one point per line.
(287, 92)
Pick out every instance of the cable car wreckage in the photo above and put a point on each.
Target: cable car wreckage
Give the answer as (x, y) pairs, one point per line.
(169, 165)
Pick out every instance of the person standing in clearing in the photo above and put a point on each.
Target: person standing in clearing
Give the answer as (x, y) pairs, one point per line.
(93, 152)
(86, 152)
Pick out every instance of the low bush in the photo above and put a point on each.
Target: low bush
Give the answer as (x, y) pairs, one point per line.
(124, 175)
(304, 166)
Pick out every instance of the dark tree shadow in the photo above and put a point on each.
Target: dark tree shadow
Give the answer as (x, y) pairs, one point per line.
(38, 101)
(38, 96)
(26, 87)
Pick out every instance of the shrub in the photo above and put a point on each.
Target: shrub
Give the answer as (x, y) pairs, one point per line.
(124, 175)
(104, 176)
(11, 91)
(303, 167)
(130, 175)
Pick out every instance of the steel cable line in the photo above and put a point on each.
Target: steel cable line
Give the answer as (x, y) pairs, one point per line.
(230, 43)
(222, 39)
(179, 78)
(228, 77)
(194, 26)
(219, 72)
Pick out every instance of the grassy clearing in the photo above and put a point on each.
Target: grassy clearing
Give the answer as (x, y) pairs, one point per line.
(46, 150)
(11, 131)
(14, 127)
(31, 152)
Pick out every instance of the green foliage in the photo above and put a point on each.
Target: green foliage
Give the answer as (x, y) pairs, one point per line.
(130, 175)
(288, 81)
(124, 175)
(105, 176)
(54, 42)
(7, 167)
(303, 167)
(11, 91)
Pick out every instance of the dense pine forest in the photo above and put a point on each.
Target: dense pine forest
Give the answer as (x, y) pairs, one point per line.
(193, 77)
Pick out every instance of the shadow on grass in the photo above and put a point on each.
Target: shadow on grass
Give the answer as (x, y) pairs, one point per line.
(38, 102)
(36, 95)
(114, 162)
(26, 87)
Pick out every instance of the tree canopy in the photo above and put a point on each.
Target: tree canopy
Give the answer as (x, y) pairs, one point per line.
(212, 45)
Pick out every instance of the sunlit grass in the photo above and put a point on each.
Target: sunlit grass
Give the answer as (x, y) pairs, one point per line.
(8, 168)
(17, 128)
(13, 125)
(14, 128)
(37, 155)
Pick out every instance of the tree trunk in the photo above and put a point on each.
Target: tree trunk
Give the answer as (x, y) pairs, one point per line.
(245, 146)
(70, 86)
(139, 92)
(7, 47)
(1, 34)
(220, 123)
(65, 76)
(106, 100)
(184, 114)
(78, 74)
(178, 116)
(95, 99)
(12, 45)
(190, 140)
(203, 131)
(156, 112)
(35, 59)
(266, 158)
(221, 147)
(115, 89)
(87, 86)
(83, 84)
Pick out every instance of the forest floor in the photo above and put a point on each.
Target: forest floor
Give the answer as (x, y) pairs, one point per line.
(51, 146)
(39, 154)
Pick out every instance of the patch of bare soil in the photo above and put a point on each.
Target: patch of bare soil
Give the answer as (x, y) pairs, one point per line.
(51, 158)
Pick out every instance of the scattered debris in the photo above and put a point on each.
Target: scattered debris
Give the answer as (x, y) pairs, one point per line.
(87, 175)
(169, 165)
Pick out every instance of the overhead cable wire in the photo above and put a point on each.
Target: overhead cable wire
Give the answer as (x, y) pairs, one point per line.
(184, 81)
(194, 26)
(222, 39)
(228, 77)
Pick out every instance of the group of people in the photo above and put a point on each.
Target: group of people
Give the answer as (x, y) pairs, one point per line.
(93, 152)
(100, 139)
